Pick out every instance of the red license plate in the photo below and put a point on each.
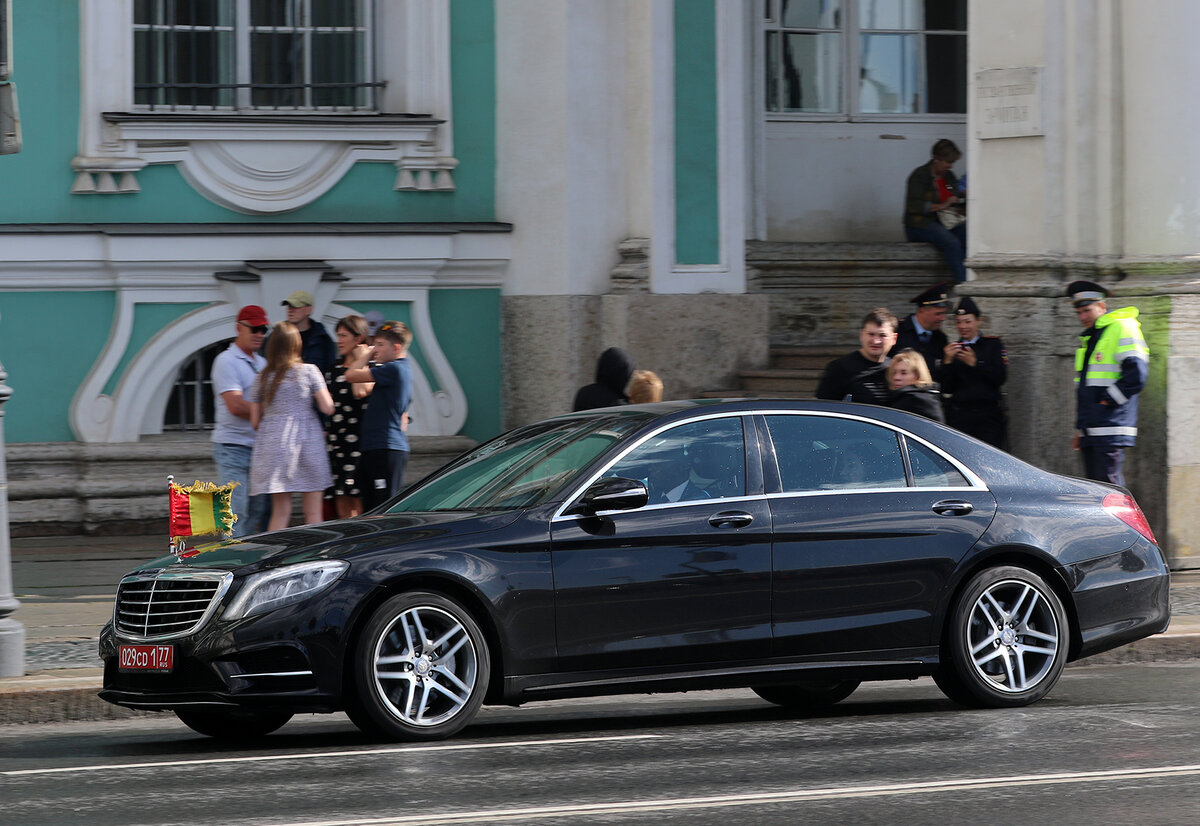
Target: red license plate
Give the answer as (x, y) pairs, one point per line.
(147, 657)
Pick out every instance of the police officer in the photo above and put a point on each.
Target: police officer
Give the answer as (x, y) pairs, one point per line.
(922, 331)
(973, 371)
(1111, 366)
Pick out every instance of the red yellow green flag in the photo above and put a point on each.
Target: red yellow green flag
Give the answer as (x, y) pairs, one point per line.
(201, 508)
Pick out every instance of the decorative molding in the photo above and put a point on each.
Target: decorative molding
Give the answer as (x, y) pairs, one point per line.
(155, 267)
(266, 164)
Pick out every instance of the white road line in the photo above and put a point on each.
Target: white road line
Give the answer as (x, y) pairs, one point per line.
(509, 814)
(270, 758)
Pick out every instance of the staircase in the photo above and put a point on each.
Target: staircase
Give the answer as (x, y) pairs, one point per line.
(794, 373)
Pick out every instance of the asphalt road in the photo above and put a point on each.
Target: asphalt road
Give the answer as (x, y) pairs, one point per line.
(1112, 744)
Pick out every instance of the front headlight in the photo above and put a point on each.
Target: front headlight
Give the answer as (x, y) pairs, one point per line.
(268, 590)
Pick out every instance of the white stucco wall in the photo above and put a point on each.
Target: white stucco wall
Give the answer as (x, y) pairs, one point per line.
(561, 142)
(843, 181)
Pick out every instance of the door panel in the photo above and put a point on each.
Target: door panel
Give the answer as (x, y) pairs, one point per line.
(685, 579)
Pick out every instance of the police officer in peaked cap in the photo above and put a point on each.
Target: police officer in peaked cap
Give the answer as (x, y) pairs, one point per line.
(1111, 366)
(974, 369)
(922, 331)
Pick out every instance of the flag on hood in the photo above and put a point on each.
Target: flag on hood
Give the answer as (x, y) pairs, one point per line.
(202, 508)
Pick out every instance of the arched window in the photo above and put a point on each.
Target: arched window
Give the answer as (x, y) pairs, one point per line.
(191, 406)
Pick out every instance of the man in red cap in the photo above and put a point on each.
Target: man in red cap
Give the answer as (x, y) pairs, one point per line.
(233, 371)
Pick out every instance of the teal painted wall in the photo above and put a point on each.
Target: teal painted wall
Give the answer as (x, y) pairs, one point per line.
(48, 356)
(148, 320)
(46, 60)
(473, 350)
(697, 185)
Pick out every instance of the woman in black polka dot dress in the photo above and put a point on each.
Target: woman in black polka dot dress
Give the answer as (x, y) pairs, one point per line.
(349, 401)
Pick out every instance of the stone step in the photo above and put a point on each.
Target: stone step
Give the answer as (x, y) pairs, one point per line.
(799, 381)
(807, 358)
(66, 488)
(756, 394)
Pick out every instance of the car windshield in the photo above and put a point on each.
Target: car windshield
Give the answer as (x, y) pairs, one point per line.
(522, 468)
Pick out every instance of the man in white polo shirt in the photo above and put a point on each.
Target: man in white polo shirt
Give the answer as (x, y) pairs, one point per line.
(233, 371)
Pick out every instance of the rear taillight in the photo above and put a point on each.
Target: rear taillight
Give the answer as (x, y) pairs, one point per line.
(1122, 506)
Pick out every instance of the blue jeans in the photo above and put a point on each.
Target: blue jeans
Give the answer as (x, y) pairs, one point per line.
(952, 243)
(233, 465)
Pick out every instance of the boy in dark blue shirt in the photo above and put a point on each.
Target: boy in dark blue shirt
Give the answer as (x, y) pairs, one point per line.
(383, 442)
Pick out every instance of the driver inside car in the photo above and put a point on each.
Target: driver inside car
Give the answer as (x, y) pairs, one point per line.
(711, 473)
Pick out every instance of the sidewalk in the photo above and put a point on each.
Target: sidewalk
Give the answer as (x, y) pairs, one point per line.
(66, 587)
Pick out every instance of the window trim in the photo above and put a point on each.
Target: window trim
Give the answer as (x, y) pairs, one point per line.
(221, 153)
(975, 483)
(851, 33)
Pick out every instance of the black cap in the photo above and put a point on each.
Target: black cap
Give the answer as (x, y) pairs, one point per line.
(1083, 293)
(935, 296)
(967, 306)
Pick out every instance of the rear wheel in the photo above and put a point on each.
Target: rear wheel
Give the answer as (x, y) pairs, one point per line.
(420, 668)
(233, 724)
(808, 694)
(1006, 640)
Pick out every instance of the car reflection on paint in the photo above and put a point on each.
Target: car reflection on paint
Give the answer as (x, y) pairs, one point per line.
(796, 548)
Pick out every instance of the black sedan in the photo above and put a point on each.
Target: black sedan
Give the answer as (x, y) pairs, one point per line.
(796, 548)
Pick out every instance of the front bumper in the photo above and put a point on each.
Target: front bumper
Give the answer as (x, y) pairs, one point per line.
(291, 658)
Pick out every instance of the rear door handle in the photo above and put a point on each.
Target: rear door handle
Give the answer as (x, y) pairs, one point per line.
(734, 519)
(952, 507)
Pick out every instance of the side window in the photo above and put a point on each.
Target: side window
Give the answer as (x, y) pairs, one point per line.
(821, 453)
(931, 470)
(691, 462)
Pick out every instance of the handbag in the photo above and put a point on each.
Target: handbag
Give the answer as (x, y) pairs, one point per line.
(951, 217)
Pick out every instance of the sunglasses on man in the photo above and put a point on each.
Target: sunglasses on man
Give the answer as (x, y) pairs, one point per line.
(261, 329)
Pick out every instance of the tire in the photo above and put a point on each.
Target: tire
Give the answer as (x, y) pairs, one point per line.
(233, 724)
(421, 669)
(809, 694)
(1006, 640)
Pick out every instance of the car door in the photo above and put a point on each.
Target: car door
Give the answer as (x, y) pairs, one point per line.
(684, 579)
(869, 524)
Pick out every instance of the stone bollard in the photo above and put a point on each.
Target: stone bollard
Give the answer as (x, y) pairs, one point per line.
(12, 632)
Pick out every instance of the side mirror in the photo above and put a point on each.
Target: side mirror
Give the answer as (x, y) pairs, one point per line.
(612, 493)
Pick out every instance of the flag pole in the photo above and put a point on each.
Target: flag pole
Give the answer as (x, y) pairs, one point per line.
(170, 539)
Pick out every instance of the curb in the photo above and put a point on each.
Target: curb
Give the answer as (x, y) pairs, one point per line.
(69, 695)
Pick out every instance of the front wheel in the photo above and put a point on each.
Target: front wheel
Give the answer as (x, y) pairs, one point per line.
(1006, 640)
(807, 695)
(420, 668)
(233, 724)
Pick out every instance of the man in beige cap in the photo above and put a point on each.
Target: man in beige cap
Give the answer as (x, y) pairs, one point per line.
(317, 346)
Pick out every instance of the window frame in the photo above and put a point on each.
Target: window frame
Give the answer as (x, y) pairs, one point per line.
(243, 31)
(851, 33)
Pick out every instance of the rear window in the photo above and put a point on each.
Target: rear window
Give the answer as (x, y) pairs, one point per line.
(820, 453)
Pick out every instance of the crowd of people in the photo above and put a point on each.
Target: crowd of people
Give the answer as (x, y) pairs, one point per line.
(300, 412)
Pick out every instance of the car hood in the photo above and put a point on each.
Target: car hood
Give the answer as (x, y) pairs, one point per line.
(333, 540)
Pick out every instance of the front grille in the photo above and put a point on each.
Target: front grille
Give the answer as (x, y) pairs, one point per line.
(158, 604)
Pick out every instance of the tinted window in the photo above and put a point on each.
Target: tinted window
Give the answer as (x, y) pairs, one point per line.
(521, 468)
(691, 462)
(931, 470)
(821, 453)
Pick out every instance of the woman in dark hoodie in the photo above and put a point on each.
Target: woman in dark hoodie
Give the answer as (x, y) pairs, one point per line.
(913, 390)
(613, 371)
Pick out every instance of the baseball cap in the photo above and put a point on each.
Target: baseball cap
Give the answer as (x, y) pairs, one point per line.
(253, 315)
(299, 298)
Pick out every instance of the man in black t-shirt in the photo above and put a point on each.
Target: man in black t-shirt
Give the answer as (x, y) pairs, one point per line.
(861, 376)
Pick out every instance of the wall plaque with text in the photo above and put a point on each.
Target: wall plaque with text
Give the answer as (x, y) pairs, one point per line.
(1008, 103)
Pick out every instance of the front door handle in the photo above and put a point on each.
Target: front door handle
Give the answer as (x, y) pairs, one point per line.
(735, 519)
(952, 507)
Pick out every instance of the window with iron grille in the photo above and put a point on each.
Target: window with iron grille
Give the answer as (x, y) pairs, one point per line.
(191, 405)
(254, 55)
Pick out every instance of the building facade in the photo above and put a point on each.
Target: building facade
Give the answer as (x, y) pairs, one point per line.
(530, 181)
